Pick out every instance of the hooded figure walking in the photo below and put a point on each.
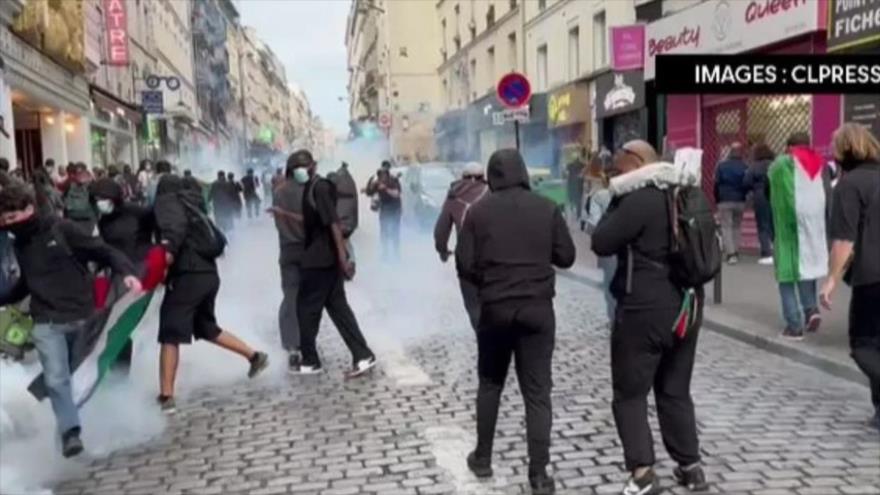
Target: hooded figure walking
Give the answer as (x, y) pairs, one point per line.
(508, 246)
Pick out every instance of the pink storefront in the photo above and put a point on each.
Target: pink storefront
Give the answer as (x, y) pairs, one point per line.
(713, 122)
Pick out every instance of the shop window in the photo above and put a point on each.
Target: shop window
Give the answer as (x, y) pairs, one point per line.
(542, 68)
(574, 53)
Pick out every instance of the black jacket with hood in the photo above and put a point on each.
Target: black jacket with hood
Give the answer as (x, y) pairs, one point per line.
(172, 222)
(512, 238)
(129, 227)
(52, 255)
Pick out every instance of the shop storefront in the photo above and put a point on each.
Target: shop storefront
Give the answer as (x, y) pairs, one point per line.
(568, 118)
(620, 108)
(113, 130)
(854, 27)
(536, 144)
(451, 137)
(714, 122)
(44, 103)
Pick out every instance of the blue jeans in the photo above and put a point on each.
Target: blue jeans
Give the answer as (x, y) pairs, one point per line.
(53, 342)
(798, 300)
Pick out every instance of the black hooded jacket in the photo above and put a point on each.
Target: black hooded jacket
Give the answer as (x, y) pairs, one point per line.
(512, 238)
(129, 228)
(52, 255)
(172, 221)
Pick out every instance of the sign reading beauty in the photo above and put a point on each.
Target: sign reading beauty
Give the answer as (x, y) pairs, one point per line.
(729, 26)
(117, 32)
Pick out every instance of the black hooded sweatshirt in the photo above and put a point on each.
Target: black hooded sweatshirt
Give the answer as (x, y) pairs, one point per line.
(52, 255)
(129, 227)
(512, 238)
(172, 221)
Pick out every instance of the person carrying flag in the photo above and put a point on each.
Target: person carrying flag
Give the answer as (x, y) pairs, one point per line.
(52, 254)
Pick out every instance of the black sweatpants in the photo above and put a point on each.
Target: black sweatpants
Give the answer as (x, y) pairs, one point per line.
(470, 293)
(864, 333)
(525, 331)
(646, 354)
(320, 289)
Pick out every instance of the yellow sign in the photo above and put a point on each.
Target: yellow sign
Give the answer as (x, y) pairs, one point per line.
(56, 28)
(558, 108)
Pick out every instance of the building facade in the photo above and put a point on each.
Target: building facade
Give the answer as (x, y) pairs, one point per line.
(393, 82)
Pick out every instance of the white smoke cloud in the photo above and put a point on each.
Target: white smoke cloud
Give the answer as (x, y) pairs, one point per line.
(395, 305)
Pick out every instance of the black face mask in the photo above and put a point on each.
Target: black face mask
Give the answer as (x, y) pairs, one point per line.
(24, 229)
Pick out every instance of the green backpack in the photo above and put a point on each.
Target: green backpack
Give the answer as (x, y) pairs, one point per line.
(15, 332)
(76, 203)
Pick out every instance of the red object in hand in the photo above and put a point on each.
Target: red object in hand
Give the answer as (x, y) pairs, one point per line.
(155, 267)
(102, 291)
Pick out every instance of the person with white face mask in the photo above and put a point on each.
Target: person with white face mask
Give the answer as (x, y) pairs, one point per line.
(128, 227)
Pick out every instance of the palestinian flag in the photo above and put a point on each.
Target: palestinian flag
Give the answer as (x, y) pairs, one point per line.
(118, 315)
(797, 195)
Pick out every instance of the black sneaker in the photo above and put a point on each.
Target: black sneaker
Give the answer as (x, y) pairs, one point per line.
(71, 445)
(542, 484)
(793, 334)
(166, 404)
(258, 363)
(694, 479)
(294, 361)
(814, 321)
(480, 467)
(645, 485)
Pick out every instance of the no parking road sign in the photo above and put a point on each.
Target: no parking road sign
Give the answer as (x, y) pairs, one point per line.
(514, 90)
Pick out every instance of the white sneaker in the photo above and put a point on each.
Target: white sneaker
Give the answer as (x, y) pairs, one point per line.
(362, 366)
(306, 369)
(767, 261)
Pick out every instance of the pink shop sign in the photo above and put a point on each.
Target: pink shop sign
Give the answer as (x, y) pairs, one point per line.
(628, 47)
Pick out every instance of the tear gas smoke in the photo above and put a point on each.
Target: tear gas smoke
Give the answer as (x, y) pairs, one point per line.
(396, 304)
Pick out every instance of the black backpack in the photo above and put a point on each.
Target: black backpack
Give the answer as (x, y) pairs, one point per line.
(203, 236)
(695, 242)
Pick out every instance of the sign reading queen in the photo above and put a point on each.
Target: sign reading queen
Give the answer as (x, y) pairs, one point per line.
(117, 32)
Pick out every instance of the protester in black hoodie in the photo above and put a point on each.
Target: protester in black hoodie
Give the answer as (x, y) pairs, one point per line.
(508, 246)
(127, 227)
(52, 256)
(645, 352)
(192, 284)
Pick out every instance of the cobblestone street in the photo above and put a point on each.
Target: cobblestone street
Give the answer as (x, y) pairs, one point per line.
(767, 426)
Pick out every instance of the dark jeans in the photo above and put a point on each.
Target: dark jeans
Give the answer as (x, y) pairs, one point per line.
(646, 354)
(389, 227)
(288, 320)
(471, 295)
(764, 218)
(864, 335)
(526, 332)
(320, 289)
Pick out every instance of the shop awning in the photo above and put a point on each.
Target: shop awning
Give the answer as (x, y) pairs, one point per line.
(113, 105)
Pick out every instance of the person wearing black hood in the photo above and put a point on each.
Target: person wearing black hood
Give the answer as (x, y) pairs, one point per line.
(508, 246)
(52, 254)
(250, 183)
(125, 226)
(192, 244)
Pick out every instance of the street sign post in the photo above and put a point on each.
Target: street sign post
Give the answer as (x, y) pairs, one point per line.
(514, 92)
(152, 101)
(511, 115)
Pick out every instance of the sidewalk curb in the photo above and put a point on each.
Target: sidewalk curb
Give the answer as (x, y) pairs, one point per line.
(795, 353)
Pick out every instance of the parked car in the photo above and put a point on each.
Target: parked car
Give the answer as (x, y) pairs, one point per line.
(425, 188)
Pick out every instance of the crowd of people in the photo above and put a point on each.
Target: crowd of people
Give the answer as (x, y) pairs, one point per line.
(65, 233)
(652, 228)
